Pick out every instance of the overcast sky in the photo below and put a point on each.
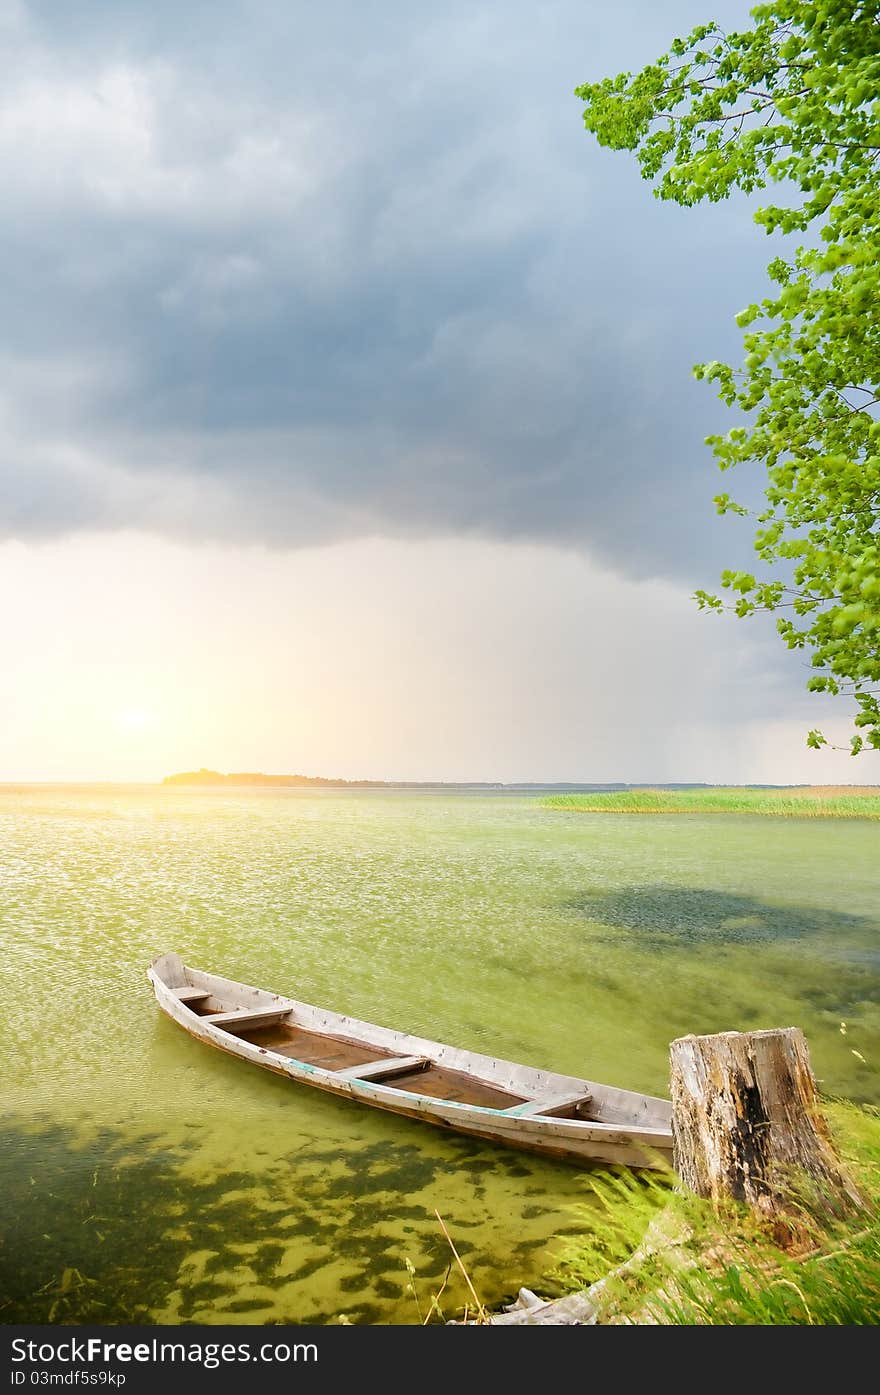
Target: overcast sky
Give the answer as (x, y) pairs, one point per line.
(339, 306)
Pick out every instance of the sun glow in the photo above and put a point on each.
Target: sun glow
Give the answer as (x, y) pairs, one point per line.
(134, 718)
(370, 659)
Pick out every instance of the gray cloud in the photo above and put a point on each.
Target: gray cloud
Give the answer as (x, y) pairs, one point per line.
(289, 273)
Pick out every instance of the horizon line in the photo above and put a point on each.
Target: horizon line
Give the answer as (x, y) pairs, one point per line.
(317, 783)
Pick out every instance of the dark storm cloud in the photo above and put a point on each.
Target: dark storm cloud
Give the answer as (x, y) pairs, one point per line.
(292, 273)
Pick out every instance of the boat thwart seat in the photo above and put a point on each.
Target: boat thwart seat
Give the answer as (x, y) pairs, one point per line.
(384, 1069)
(557, 1104)
(191, 995)
(246, 1017)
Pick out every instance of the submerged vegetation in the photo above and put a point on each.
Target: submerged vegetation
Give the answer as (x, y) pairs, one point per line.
(809, 802)
(121, 1226)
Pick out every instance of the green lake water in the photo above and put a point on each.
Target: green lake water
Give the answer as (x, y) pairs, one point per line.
(146, 1178)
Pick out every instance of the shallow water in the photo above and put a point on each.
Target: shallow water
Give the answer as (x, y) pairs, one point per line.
(146, 1178)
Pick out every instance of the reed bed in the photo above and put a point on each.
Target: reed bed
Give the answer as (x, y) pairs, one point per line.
(805, 802)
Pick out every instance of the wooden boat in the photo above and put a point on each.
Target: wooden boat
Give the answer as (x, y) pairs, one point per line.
(539, 1110)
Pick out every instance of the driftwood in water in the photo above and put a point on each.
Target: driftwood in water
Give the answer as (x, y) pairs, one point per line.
(746, 1121)
(664, 1245)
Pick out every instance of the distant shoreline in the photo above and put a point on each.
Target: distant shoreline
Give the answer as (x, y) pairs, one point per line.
(570, 794)
(256, 779)
(568, 790)
(210, 779)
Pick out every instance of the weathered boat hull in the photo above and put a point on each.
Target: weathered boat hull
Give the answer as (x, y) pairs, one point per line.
(486, 1097)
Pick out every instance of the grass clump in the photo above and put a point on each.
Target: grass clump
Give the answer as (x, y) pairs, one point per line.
(807, 802)
(672, 1259)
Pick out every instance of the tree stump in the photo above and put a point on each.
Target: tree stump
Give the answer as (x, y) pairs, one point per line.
(746, 1122)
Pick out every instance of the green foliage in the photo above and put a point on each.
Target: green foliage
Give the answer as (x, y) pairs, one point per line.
(759, 1286)
(793, 102)
(611, 1223)
(781, 803)
(707, 1266)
